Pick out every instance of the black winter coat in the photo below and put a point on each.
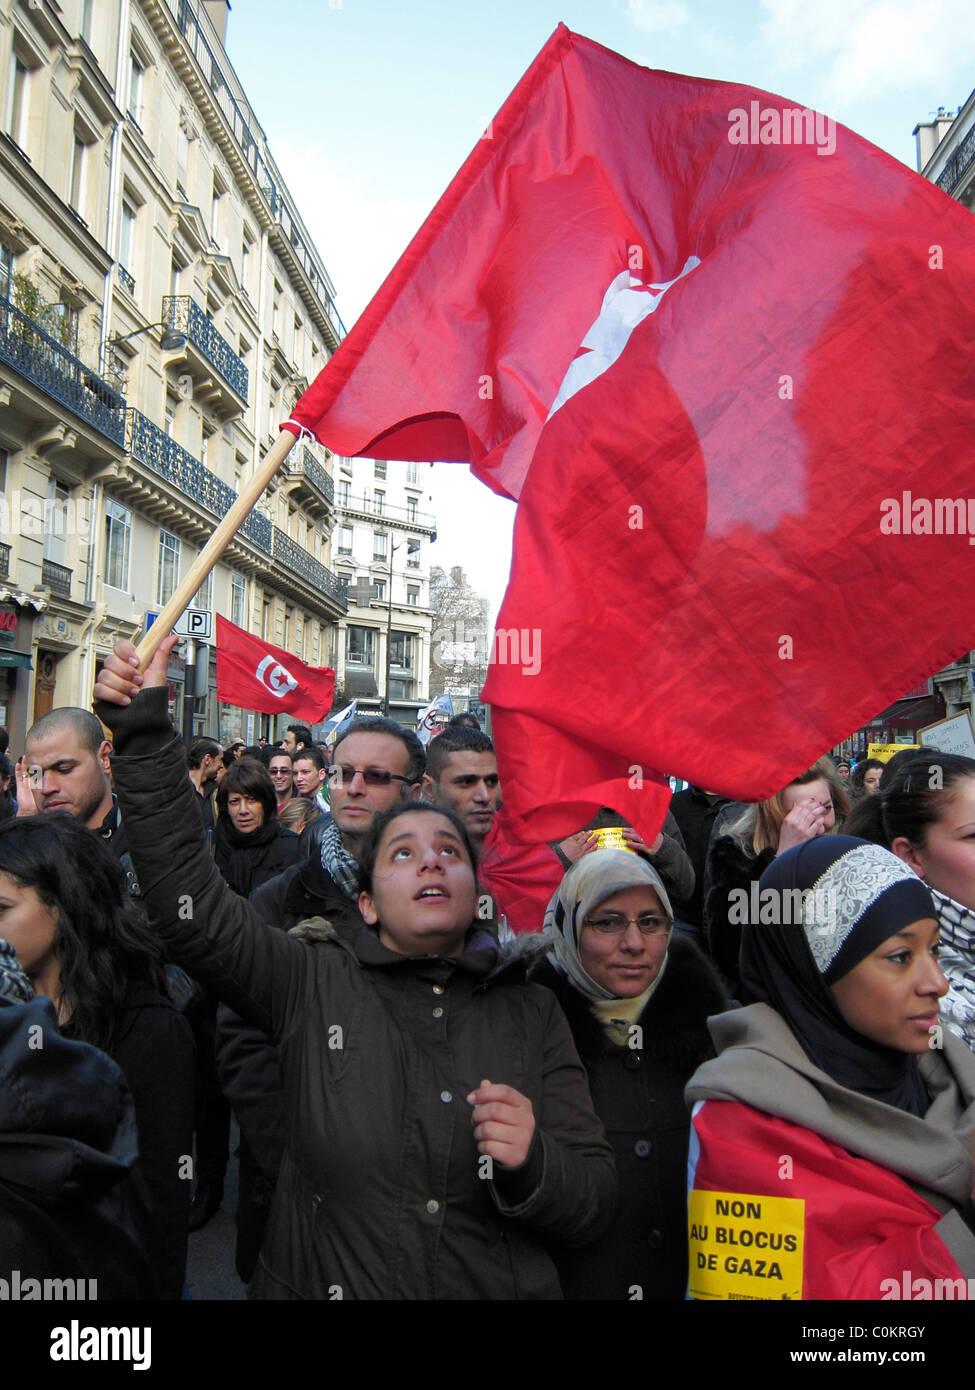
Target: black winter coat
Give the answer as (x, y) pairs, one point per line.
(732, 869)
(71, 1204)
(153, 1044)
(248, 861)
(382, 1193)
(638, 1093)
(306, 890)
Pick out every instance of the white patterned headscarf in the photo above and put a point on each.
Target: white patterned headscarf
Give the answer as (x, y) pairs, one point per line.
(823, 908)
(590, 881)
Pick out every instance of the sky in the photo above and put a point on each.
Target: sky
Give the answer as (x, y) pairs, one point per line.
(371, 106)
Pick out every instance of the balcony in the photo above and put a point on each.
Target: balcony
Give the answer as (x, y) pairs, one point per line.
(403, 517)
(288, 553)
(42, 360)
(57, 578)
(183, 315)
(153, 447)
(126, 280)
(311, 485)
(4, 561)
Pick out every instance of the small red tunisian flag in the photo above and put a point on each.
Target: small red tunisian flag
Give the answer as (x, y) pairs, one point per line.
(254, 675)
(721, 350)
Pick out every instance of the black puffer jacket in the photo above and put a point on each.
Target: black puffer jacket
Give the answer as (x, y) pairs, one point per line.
(382, 1193)
(732, 870)
(638, 1093)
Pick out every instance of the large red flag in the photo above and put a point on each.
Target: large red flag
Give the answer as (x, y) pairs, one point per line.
(721, 350)
(254, 675)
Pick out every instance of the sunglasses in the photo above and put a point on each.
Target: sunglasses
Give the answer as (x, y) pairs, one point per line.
(340, 773)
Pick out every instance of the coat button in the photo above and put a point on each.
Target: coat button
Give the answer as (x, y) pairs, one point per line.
(641, 1148)
(433, 1206)
(446, 1097)
(438, 989)
(438, 1012)
(655, 1240)
(316, 1201)
(632, 1060)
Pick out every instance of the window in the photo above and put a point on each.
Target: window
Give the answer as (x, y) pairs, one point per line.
(6, 269)
(182, 158)
(401, 689)
(205, 438)
(411, 509)
(118, 536)
(126, 236)
(413, 555)
(378, 499)
(379, 545)
(345, 540)
(86, 8)
(136, 84)
(203, 598)
(168, 574)
(265, 618)
(379, 589)
(15, 116)
(238, 599)
(76, 172)
(246, 252)
(343, 493)
(401, 650)
(379, 469)
(216, 203)
(360, 646)
(413, 595)
(411, 473)
(289, 621)
(56, 528)
(276, 310)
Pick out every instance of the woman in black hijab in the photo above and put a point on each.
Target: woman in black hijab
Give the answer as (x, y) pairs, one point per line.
(847, 1115)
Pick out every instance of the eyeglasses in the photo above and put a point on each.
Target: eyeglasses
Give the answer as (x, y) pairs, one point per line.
(340, 773)
(614, 923)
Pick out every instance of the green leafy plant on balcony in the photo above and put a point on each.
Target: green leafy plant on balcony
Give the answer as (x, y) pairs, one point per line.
(56, 320)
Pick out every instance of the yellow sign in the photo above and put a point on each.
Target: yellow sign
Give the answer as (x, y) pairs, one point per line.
(884, 751)
(745, 1247)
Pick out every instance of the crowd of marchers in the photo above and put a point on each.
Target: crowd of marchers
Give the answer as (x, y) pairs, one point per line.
(463, 1068)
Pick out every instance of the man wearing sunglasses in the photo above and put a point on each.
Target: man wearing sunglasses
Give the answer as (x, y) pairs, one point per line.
(375, 763)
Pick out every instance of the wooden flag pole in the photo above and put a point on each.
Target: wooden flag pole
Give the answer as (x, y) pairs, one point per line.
(215, 547)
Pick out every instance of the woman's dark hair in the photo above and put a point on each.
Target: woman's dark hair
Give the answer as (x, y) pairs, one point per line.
(6, 796)
(370, 842)
(102, 943)
(859, 772)
(248, 778)
(910, 799)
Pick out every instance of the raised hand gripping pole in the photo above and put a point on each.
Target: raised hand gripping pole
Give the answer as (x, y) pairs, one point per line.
(215, 547)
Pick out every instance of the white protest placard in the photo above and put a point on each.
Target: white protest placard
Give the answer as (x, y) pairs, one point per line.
(952, 735)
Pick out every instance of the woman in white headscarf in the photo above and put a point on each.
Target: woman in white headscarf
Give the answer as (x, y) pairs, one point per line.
(637, 998)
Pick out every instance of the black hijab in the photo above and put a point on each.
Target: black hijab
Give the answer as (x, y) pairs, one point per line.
(861, 896)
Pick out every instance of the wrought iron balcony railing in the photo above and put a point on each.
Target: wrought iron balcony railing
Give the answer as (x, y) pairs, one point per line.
(62, 375)
(184, 315)
(4, 561)
(289, 553)
(957, 165)
(56, 577)
(153, 447)
(125, 279)
(303, 463)
(402, 516)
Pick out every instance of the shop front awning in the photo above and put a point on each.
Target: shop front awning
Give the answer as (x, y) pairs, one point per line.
(15, 659)
(911, 714)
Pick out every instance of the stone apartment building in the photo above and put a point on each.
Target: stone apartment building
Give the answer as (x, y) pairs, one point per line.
(380, 553)
(162, 305)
